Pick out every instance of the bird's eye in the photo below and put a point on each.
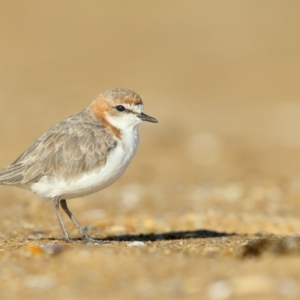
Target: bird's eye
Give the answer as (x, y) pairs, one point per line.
(120, 108)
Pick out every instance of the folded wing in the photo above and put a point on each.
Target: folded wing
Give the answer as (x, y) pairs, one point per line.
(71, 148)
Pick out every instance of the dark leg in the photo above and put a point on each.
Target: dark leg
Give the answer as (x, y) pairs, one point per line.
(56, 201)
(84, 235)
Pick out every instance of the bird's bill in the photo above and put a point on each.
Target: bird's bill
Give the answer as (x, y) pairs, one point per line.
(147, 118)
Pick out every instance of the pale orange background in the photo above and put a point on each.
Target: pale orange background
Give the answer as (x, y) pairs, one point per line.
(220, 76)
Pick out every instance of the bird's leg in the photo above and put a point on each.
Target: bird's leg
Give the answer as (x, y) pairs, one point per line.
(84, 235)
(56, 201)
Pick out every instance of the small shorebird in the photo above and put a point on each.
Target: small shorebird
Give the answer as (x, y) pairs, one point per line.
(82, 154)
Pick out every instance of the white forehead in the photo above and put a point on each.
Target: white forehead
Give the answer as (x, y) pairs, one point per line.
(136, 108)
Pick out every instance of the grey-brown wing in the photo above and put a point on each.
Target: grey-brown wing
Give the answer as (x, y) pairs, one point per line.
(74, 146)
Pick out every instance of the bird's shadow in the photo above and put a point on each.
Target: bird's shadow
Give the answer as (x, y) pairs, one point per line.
(166, 236)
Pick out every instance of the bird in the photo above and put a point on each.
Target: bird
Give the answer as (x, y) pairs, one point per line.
(82, 154)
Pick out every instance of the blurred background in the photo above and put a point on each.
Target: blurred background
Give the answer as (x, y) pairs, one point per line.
(222, 78)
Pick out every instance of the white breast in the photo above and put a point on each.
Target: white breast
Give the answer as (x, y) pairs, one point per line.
(100, 178)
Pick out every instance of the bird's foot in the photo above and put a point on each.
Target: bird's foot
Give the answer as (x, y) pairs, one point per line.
(88, 239)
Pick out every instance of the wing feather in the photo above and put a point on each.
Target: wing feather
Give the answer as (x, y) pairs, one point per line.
(74, 146)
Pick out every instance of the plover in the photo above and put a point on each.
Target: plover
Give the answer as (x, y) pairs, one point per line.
(82, 154)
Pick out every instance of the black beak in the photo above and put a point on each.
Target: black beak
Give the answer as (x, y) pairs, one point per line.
(147, 118)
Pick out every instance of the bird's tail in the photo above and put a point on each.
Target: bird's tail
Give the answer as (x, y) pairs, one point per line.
(11, 175)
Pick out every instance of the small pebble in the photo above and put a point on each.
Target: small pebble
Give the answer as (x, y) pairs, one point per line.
(136, 244)
(35, 249)
(50, 249)
(53, 249)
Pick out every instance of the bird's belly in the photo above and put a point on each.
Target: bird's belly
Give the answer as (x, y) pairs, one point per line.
(88, 183)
